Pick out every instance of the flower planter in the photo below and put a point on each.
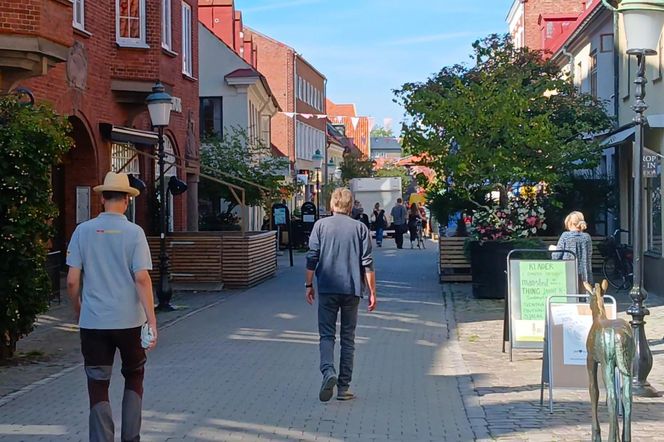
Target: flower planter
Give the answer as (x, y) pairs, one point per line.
(488, 265)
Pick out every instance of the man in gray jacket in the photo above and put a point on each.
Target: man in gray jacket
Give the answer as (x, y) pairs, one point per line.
(399, 219)
(340, 257)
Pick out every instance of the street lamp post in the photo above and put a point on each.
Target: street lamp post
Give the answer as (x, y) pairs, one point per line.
(643, 21)
(159, 106)
(317, 158)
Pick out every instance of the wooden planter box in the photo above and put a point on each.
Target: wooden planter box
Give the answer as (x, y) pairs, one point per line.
(248, 259)
(454, 267)
(237, 260)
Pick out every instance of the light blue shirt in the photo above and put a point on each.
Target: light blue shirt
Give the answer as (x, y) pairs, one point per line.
(109, 250)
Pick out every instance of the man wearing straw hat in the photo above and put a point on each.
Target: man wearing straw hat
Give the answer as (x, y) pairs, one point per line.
(111, 292)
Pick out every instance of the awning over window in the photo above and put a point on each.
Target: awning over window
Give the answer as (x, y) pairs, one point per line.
(619, 136)
(123, 134)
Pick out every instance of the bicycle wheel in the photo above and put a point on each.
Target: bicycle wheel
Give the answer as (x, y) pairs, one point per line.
(613, 273)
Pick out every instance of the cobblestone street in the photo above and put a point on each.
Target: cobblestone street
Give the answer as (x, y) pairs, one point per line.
(246, 369)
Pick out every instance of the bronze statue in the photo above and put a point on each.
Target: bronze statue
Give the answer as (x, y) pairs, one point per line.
(611, 344)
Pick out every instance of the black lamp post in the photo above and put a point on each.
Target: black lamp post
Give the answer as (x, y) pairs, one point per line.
(159, 106)
(317, 158)
(643, 21)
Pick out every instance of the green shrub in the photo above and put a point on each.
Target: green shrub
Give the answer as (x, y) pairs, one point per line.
(32, 140)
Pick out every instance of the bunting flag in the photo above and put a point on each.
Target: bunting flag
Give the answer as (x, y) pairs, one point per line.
(372, 121)
(321, 116)
(339, 119)
(307, 116)
(354, 121)
(289, 114)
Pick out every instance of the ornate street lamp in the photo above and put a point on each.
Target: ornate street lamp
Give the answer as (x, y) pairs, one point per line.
(317, 158)
(643, 21)
(159, 106)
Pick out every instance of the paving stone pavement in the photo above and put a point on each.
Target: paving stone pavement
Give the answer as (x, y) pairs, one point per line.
(246, 369)
(508, 393)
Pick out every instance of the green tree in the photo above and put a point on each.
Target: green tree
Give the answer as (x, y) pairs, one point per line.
(32, 140)
(392, 170)
(509, 118)
(235, 156)
(354, 166)
(380, 131)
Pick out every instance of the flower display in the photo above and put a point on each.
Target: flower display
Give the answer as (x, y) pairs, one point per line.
(523, 216)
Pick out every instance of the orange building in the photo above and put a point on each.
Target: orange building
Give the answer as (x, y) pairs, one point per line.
(358, 128)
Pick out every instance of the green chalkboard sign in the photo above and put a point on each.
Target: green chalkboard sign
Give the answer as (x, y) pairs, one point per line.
(531, 282)
(539, 280)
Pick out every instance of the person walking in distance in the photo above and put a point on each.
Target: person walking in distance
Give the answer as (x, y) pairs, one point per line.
(380, 223)
(413, 218)
(340, 258)
(111, 292)
(399, 218)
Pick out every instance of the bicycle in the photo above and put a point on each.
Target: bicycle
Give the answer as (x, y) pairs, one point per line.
(420, 234)
(617, 266)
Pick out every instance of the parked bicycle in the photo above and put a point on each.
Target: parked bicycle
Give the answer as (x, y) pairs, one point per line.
(618, 265)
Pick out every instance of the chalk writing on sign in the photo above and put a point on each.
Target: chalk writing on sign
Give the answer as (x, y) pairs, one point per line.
(538, 280)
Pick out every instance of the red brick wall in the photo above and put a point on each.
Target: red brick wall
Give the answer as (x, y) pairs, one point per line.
(309, 74)
(45, 18)
(98, 103)
(275, 62)
(535, 8)
(219, 17)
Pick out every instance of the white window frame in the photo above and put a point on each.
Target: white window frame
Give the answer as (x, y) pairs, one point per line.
(78, 21)
(139, 42)
(187, 54)
(167, 24)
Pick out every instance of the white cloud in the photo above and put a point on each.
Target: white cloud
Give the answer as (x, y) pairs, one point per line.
(275, 5)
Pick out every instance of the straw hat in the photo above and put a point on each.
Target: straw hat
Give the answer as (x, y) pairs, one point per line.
(116, 182)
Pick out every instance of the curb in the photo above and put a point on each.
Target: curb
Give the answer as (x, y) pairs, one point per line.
(4, 400)
(471, 401)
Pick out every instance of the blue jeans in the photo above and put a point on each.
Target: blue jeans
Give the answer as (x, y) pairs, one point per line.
(379, 236)
(328, 307)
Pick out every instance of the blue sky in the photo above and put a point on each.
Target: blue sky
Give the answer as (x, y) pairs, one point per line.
(367, 48)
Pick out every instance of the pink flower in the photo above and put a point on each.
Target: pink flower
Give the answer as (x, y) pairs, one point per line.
(531, 220)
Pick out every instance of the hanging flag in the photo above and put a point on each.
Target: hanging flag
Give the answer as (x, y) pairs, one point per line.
(339, 119)
(321, 116)
(372, 121)
(289, 114)
(307, 116)
(354, 121)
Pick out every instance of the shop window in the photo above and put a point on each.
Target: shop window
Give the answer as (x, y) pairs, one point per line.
(130, 23)
(653, 199)
(125, 160)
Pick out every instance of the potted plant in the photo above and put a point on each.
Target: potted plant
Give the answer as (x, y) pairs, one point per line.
(496, 230)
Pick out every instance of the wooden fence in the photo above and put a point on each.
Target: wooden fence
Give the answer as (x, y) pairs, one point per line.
(235, 259)
(455, 267)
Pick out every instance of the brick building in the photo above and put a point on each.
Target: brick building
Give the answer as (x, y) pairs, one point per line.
(534, 22)
(96, 62)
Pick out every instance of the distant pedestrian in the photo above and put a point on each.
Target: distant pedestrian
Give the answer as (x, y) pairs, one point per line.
(111, 293)
(380, 223)
(399, 219)
(340, 257)
(414, 218)
(576, 240)
(357, 208)
(364, 218)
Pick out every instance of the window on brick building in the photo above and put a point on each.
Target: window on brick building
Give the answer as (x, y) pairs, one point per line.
(130, 22)
(211, 115)
(166, 28)
(78, 14)
(125, 160)
(187, 55)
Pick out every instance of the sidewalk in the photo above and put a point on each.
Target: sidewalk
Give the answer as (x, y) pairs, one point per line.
(247, 369)
(509, 393)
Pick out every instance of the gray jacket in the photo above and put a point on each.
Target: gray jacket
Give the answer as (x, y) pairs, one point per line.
(340, 253)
